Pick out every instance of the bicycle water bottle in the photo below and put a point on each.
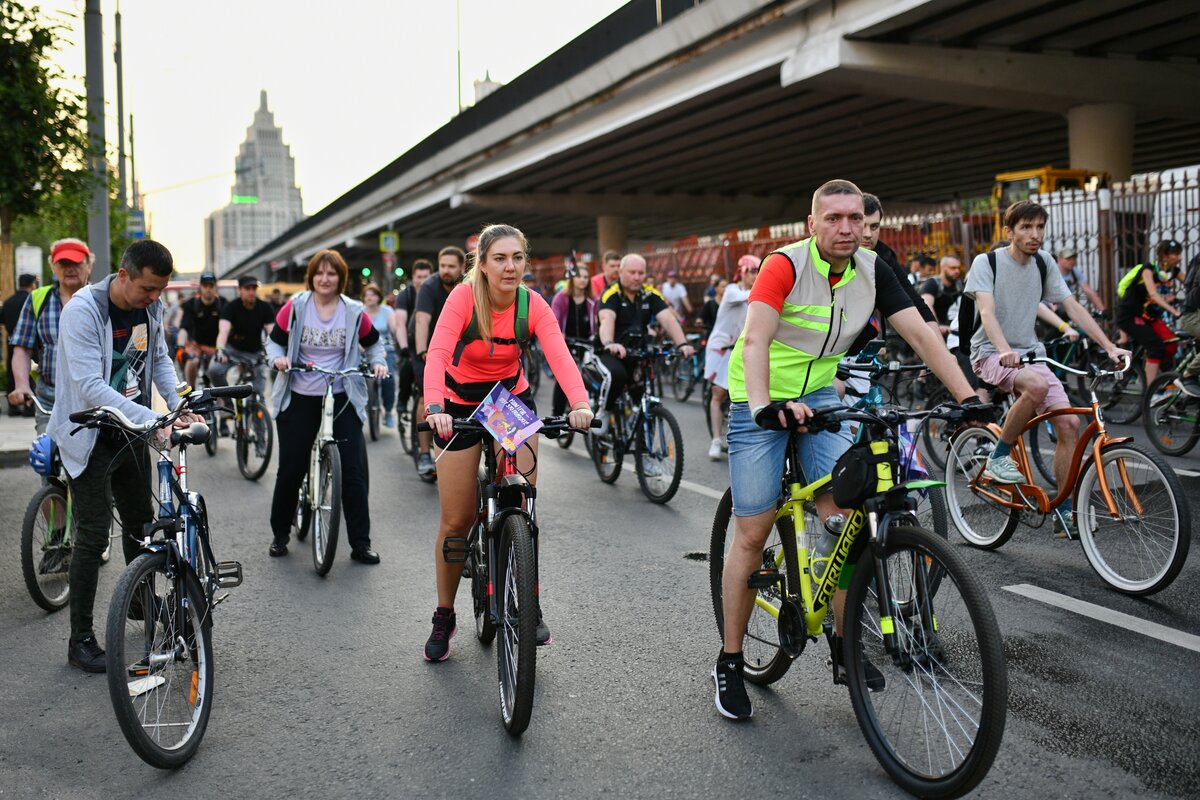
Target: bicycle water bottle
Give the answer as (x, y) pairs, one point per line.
(820, 557)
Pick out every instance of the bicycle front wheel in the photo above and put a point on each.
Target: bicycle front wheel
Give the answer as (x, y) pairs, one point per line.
(47, 535)
(213, 420)
(160, 660)
(1120, 396)
(935, 434)
(516, 655)
(682, 379)
(980, 520)
(1173, 425)
(256, 440)
(374, 409)
(658, 455)
(406, 427)
(766, 662)
(933, 703)
(1142, 550)
(327, 516)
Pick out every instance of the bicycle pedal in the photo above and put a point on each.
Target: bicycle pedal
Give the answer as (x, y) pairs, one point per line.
(763, 578)
(229, 574)
(454, 549)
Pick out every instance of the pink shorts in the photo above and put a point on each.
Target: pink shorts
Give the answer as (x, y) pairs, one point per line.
(989, 370)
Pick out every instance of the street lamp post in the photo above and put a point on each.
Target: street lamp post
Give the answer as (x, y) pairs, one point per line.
(98, 238)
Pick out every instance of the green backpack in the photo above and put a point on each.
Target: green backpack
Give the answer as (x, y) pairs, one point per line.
(520, 328)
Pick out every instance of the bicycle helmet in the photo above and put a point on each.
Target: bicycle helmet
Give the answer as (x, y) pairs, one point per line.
(41, 455)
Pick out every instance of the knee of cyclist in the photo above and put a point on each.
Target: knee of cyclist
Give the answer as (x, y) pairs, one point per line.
(1068, 426)
(1038, 388)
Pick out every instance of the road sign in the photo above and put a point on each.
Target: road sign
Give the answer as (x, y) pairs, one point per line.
(135, 224)
(29, 261)
(389, 260)
(389, 241)
(472, 242)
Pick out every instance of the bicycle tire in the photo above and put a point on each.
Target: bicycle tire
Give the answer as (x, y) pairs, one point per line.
(661, 422)
(683, 379)
(1173, 426)
(477, 564)
(971, 671)
(213, 420)
(406, 427)
(302, 519)
(565, 439)
(934, 432)
(132, 645)
(1102, 551)
(374, 408)
(1122, 397)
(516, 651)
(327, 520)
(46, 563)
(765, 660)
(254, 415)
(1045, 467)
(608, 453)
(981, 522)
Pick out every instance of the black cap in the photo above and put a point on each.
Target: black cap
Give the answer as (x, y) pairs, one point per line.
(528, 276)
(1170, 246)
(247, 280)
(208, 277)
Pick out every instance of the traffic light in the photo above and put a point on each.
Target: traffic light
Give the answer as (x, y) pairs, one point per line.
(399, 272)
(366, 272)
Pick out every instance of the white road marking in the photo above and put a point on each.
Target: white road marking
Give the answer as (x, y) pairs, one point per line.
(1102, 614)
(698, 488)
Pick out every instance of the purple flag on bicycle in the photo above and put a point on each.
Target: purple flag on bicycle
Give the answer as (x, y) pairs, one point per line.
(506, 418)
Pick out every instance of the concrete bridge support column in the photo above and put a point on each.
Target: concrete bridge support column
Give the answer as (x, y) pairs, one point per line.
(612, 233)
(1101, 138)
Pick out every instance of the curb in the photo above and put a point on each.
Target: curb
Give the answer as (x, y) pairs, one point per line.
(14, 458)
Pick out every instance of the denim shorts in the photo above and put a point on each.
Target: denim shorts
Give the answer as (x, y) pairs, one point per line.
(756, 455)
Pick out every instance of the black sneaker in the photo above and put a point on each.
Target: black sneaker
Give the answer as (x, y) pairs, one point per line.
(543, 632)
(437, 648)
(86, 654)
(425, 465)
(731, 698)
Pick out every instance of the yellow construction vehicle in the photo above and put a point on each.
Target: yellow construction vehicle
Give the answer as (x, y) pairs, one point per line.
(1013, 186)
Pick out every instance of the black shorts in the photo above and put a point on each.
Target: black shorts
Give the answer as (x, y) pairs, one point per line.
(464, 440)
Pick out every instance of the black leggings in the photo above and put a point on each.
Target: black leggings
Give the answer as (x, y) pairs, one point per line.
(620, 376)
(297, 427)
(1150, 335)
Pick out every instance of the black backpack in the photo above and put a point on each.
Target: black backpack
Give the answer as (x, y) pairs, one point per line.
(1191, 286)
(968, 314)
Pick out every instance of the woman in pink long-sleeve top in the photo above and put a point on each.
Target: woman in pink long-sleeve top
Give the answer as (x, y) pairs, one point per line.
(459, 374)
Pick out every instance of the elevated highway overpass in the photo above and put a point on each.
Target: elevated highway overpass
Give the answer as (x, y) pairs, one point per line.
(726, 114)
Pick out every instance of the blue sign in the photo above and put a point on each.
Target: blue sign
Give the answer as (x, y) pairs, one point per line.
(135, 224)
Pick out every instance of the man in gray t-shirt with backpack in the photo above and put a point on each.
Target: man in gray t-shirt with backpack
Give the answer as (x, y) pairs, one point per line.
(1007, 285)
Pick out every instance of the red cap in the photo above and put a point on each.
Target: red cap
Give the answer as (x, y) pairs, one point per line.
(70, 251)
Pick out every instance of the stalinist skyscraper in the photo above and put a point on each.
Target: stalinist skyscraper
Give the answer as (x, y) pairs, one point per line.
(264, 201)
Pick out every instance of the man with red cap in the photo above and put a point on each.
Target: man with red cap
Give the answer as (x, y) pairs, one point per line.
(36, 332)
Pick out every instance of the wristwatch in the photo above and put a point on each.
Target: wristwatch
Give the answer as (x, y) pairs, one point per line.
(434, 408)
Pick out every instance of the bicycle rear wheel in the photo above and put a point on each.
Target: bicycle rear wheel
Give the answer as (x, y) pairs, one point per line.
(1120, 396)
(1173, 426)
(327, 518)
(160, 660)
(406, 426)
(213, 420)
(935, 434)
(936, 722)
(1143, 551)
(658, 455)
(980, 520)
(516, 655)
(682, 379)
(255, 440)
(47, 534)
(766, 662)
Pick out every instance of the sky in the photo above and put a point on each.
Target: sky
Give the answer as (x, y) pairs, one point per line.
(352, 84)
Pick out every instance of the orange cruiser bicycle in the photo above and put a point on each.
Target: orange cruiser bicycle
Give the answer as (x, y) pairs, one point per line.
(1129, 509)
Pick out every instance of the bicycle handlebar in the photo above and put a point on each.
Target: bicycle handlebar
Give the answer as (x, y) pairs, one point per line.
(875, 368)
(1091, 372)
(110, 415)
(831, 419)
(550, 425)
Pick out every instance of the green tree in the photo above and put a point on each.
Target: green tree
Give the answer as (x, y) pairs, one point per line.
(43, 147)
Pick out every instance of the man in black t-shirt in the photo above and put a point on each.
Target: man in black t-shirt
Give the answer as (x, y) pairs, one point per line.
(627, 307)
(199, 325)
(10, 314)
(240, 335)
(402, 324)
(940, 293)
(432, 297)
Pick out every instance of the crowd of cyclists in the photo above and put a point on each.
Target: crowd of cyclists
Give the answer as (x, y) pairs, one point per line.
(774, 333)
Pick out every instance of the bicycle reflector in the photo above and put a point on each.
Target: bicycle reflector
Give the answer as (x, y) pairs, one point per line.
(41, 455)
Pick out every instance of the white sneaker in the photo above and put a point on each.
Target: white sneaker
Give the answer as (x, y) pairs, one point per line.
(1158, 398)
(714, 450)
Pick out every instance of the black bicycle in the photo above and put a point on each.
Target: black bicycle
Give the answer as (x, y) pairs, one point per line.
(159, 634)
(253, 431)
(500, 557)
(640, 424)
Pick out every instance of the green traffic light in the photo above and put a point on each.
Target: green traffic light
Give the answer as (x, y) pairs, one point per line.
(366, 272)
(399, 272)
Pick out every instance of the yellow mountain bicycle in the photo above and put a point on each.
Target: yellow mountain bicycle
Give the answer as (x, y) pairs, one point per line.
(913, 610)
